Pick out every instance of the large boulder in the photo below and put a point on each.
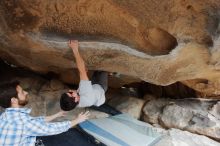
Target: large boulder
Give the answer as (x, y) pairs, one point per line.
(152, 110)
(176, 137)
(130, 105)
(160, 42)
(193, 115)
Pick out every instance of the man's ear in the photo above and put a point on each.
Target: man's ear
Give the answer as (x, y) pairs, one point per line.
(14, 100)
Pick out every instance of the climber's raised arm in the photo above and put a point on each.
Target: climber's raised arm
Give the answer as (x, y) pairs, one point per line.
(74, 45)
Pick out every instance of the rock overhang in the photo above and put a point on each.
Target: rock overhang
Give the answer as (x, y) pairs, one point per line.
(143, 44)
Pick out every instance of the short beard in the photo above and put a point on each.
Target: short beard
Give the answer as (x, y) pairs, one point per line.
(23, 102)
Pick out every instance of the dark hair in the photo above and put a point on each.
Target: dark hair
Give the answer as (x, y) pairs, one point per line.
(7, 91)
(67, 103)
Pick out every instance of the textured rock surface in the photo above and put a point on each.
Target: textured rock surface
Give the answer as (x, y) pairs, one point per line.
(176, 137)
(129, 105)
(193, 115)
(160, 42)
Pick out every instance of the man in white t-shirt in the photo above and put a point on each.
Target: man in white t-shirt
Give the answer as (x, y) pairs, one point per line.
(89, 92)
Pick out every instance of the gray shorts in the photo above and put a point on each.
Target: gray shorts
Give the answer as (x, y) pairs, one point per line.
(101, 78)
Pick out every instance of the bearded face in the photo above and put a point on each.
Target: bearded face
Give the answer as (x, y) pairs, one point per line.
(22, 96)
(23, 102)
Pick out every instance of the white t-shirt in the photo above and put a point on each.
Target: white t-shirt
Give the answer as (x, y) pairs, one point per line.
(90, 94)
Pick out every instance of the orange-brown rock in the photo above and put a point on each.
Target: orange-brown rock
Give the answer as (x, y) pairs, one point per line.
(160, 42)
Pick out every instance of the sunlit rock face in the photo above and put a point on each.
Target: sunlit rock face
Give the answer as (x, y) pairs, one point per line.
(160, 42)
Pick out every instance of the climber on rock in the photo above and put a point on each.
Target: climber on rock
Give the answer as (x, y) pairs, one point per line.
(90, 92)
